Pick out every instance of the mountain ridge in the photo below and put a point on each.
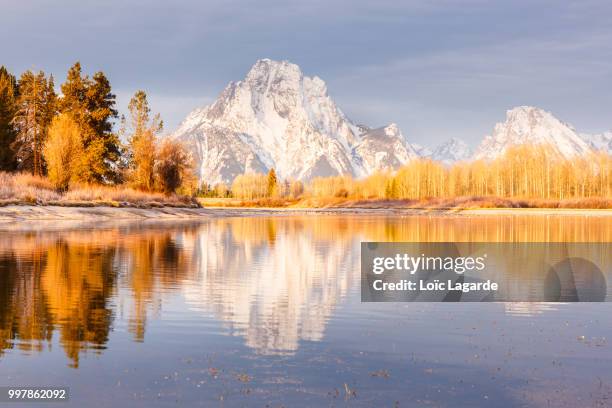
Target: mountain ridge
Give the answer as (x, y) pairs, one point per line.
(277, 117)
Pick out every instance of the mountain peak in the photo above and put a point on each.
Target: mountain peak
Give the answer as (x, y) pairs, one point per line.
(523, 109)
(392, 129)
(279, 118)
(271, 69)
(532, 125)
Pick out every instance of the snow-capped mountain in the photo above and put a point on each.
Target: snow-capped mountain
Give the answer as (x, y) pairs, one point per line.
(530, 125)
(279, 118)
(451, 151)
(600, 141)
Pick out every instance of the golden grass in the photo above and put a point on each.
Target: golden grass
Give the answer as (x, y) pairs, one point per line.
(269, 202)
(467, 202)
(23, 188)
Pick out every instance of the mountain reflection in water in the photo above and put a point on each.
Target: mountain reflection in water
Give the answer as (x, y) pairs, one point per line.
(273, 281)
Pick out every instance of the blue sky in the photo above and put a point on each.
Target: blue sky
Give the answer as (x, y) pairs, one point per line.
(437, 68)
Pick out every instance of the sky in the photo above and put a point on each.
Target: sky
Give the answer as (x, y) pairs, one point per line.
(438, 68)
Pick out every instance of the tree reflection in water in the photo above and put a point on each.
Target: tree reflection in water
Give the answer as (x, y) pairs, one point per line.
(273, 281)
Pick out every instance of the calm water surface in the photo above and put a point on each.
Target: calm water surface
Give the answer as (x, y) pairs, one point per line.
(266, 312)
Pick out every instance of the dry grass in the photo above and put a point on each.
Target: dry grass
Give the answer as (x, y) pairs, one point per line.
(467, 202)
(28, 189)
(24, 188)
(474, 202)
(269, 202)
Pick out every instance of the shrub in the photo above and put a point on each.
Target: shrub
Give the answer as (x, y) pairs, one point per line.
(173, 166)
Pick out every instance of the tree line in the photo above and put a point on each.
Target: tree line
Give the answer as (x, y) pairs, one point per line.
(525, 171)
(70, 138)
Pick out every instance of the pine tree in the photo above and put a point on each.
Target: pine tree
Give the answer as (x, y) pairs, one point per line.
(36, 107)
(8, 106)
(101, 106)
(92, 105)
(74, 92)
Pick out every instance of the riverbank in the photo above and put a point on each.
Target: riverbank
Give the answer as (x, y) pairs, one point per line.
(32, 213)
(440, 204)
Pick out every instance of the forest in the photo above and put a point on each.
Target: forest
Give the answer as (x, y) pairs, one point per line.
(57, 145)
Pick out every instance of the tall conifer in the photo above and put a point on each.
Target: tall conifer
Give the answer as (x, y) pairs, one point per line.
(36, 106)
(92, 105)
(8, 106)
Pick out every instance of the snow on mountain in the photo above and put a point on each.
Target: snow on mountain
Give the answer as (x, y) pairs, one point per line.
(278, 118)
(447, 153)
(601, 141)
(451, 151)
(382, 148)
(530, 125)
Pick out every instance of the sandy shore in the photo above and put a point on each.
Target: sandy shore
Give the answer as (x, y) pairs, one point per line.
(37, 214)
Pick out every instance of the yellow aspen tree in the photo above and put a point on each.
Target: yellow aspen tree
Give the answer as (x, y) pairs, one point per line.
(63, 151)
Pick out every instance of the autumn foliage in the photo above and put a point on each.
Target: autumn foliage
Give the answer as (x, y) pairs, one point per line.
(63, 152)
(524, 176)
(522, 172)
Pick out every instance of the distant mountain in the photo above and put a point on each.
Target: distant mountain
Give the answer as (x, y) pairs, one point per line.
(530, 125)
(451, 151)
(278, 118)
(601, 141)
(422, 151)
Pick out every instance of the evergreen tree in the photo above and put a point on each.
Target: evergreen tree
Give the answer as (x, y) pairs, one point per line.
(8, 106)
(92, 105)
(36, 107)
(74, 92)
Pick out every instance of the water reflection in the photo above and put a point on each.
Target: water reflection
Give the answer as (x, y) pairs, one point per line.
(273, 281)
(68, 283)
